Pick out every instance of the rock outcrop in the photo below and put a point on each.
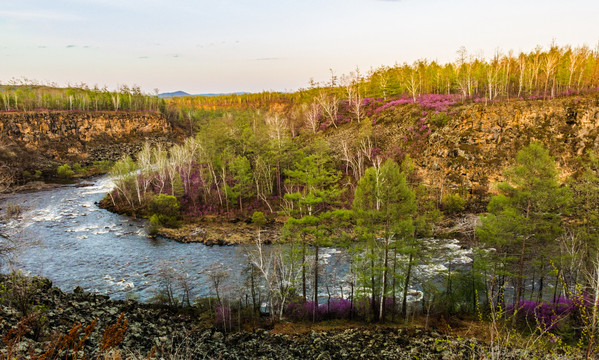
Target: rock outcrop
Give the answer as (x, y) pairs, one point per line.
(469, 152)
(44, 140)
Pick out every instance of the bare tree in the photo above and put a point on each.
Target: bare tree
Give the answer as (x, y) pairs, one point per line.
(351, 83)
(329, 105)
(312, 114)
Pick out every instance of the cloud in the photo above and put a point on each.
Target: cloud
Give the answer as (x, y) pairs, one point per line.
(176, 56)
(267, 59)
(37, 15)
(70, 46)
(42, 47)
(143, 57)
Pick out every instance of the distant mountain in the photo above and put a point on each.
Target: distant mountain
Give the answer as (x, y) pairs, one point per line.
(173, 94)
(183, 93)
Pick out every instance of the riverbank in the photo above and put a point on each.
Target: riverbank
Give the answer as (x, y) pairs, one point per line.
(151, 331)
(222, 233)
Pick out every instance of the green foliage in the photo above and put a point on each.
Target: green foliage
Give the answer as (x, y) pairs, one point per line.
(316, 182)
(439, 119)
(78, 169)
(384, 207)
(24, 95)
(154, 225)
(177, 185)
(164, 211)
(526, 216)
(65, 171)
(18, 292)
(102, 166)
(584, 239)
(453, 203)
(384, 203)
(241, 170)
(33, 175)
(258, 218)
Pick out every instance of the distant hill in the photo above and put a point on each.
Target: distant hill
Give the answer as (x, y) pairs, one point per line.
(183, 93)
(173, 94)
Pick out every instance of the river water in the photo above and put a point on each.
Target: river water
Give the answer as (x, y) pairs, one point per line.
(66, 237)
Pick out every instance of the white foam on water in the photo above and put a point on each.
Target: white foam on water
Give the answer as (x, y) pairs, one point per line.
(121, 285)
(46, 214)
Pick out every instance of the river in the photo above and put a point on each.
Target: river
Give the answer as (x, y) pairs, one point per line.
(65, 236)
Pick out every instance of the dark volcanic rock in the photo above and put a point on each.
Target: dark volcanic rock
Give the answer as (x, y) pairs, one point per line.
(182, 334)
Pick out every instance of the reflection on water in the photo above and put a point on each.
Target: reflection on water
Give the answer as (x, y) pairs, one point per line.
(74, 243)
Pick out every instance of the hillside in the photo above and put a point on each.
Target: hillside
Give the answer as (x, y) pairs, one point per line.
(469, 149)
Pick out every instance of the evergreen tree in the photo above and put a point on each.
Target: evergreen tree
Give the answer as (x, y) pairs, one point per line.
(315, 181)
(384, 206)
(525, 217)
(243, 180)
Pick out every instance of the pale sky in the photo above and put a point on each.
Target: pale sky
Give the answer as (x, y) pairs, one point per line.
(236, 45)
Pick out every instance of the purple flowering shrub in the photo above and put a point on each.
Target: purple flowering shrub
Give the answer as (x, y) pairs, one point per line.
(417, 136)
(554, 317)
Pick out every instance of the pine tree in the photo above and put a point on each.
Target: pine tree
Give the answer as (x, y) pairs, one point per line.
(525, 217)
(384, 206)
(316, 192)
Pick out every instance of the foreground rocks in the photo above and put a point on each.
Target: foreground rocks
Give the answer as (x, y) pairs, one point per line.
(184, 334)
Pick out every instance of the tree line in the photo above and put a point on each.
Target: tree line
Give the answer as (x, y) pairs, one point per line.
(540, 73)
(25, 95)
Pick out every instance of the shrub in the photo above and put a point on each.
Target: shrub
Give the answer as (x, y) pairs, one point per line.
(453, 203)
(555, 317)
(78, 169)
(439, 119)
(155, 225)
(103, 166)
(164, 211)
(32, 175)
(18, 290)
(65, 171)
(258, 218)
(13, 210)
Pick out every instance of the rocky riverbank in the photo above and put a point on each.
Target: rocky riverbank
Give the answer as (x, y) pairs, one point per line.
(34, 316)
(221, 233)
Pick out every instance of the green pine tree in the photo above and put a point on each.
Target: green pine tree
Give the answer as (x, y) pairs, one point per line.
(384, 206)
(525, 218)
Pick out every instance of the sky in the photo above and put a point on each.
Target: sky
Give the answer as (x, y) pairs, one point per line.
(225, 46)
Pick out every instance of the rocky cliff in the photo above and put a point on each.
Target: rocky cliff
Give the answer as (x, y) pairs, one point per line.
(42, 140)
(469, 150)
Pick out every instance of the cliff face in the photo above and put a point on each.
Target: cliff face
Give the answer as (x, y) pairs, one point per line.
(41, 140)
(469, 152)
